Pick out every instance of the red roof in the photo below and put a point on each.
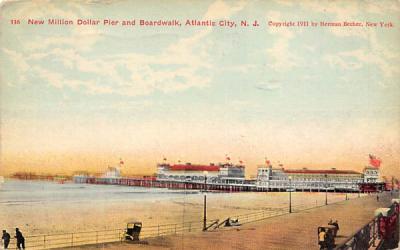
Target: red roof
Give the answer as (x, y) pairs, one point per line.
(181, 167)
(309, 171)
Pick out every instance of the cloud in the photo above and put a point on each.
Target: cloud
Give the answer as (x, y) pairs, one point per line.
(365, 57)
(270, 85)
(285, 2)
(144, 73)
(127, 105)
(182, 65)
(341, 61)
(383, 7)
(81, 37)
(21, 65)
(280, 54)
(17, 59)
(379, 53)
(176, 68)
(368, 57)
(343, 10)
(221, 9)
(41, 9)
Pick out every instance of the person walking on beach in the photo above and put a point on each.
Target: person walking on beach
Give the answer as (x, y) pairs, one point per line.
(6, 239)
(20, 239)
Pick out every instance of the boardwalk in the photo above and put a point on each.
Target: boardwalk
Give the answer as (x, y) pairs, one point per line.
(291, 231)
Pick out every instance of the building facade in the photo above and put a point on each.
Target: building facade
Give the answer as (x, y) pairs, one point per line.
(223, 173)
(371, 174)
(269, 178)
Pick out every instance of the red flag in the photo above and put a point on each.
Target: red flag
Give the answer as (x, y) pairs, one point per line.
(267, 162)
(228, 158)
(121, 162)
(375, 162)
(240, 161)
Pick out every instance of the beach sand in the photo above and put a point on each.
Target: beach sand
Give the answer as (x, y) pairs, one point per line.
(291, 231)
(101, 211)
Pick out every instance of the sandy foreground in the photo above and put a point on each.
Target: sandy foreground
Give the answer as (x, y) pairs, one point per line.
(291, 231)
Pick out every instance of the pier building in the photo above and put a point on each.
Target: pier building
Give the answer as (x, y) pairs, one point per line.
(231, 177)
(269, 178)
(223, 173)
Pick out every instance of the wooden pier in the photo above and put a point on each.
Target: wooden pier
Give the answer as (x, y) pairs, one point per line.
(152, 182)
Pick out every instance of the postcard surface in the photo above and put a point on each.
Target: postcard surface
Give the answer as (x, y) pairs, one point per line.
(174, 122)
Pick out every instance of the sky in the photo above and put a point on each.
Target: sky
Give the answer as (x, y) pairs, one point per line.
(82, 97)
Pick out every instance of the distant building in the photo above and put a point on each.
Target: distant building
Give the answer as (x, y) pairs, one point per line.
(221, 173)
(231, 174)
(111, 176)
(112, 172)
(371, 174)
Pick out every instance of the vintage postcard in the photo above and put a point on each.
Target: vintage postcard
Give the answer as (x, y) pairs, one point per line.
(216, 124)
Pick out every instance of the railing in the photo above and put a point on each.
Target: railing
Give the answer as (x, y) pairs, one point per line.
(277, 211)
(70, 239)
(364, 238)
(116, 235)
(171, 229)
(382, 232)
(104, 236)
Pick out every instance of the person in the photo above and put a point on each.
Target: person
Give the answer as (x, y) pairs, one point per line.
(228, 222)
(377, 197)
(6, 239)
(20, 239)
(336, 224)
(321, 238)
(329, 241)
